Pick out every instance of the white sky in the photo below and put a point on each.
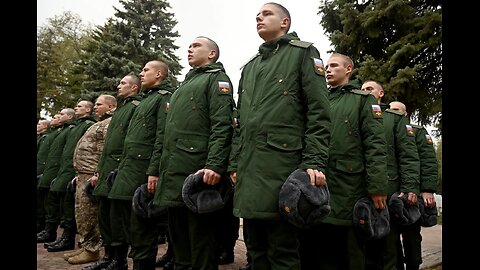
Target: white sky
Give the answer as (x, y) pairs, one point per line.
(230, 23)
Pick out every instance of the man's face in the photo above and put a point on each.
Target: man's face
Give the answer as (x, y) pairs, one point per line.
(41, 126)
(149, 75)
(337, 72)
(64, 117)
(55, 120)
(399, 107)
(125, 88)
(81, 109)
(199, 53)
(270, 22)
(374, 89)
(101, 107)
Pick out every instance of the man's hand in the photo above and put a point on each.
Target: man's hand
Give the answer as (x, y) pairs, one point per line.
(233, 176)
(317, 178)
(152, 183)
(210, 177)
(428, 199)
(379, 200)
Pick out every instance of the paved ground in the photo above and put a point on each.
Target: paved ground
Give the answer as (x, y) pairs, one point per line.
(431, 249)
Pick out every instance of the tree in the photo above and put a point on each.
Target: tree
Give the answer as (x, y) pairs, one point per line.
(140, 33)
(59, 45)
(398, 43)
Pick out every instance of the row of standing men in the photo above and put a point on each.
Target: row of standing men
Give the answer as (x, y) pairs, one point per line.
(285, 119)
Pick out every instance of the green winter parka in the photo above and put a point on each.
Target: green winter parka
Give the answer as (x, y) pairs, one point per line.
(44, 149)
(113, 148)
(357, 163)
(198, 132)
(66, 172)
(143, 144)
(284, 123)
(402, 155)
(53, 160)
(428, 160)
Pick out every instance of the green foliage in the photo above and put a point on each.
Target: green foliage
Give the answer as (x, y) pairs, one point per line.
(398, 43)
(59, 45)
(143, 31)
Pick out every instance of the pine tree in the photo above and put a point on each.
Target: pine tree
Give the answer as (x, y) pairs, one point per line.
(143, 31)
(398, 43)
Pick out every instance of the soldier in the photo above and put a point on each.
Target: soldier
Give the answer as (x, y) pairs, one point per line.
(403, 169)
(412, 239)
(85, 159)
(127, 101)
(197, 139)
(43, 148)
(51, 167)
(42, 127)
(284, 124)
(61, 204)
(357, 168)
(142, 149)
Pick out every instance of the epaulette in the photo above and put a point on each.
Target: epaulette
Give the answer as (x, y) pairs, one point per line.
(360, 92)
(417, 126)
(253, 57)
(135, 102)
(71, 126)
(299, 43)
(394, 112)
(213, 70)
(164, 92)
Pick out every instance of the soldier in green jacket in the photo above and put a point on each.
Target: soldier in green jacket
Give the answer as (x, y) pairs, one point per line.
(52, 165)
(284, 124)
(42, 154)
(410, 247)
(127, 101)
(403, 170)
(142, 149)
(197, 138)
(60, 202)
(357, 167)
(43, 127)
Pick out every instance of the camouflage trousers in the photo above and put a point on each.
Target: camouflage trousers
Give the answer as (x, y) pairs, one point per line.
(86, 214)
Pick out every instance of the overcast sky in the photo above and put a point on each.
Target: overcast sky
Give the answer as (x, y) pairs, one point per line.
(230, 23)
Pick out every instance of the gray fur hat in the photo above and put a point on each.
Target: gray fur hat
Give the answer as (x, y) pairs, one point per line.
(429, 216)
(142, 203)
(370, 223)
(402, 212)
(301, 203)
(202, 198)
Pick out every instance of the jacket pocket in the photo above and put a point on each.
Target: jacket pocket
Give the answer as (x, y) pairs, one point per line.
(192, 146)
(285, 142)
(349, 166)
(139, 151)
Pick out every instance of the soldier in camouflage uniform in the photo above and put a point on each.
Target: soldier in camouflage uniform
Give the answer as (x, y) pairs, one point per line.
(51, 167)
(357, 167)
(85, 160)
(61, 204)
(284, 124)
(411, 242)
(127, 101)
(403, 170)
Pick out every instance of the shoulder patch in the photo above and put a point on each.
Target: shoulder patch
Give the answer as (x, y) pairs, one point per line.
(224, 88)
(428, 138)
(360, 92)
(164, 92)
(394, 112)
(135, 102)
(318, 64)
(410, 130)
(377, 111)
(301, 44)
(213, 70)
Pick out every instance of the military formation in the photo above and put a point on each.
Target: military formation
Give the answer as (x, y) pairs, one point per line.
(322, 172)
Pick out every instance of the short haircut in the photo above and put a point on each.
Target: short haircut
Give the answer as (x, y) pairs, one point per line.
(109, 99)
(213, 46)
(284, 11)
(135, 80)
(346, 60)
(159, 65)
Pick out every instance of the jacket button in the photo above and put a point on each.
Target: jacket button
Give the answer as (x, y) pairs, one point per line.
(191, 148)
(280, 81)
(285, 93)
(285, 145)
(139, 155)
